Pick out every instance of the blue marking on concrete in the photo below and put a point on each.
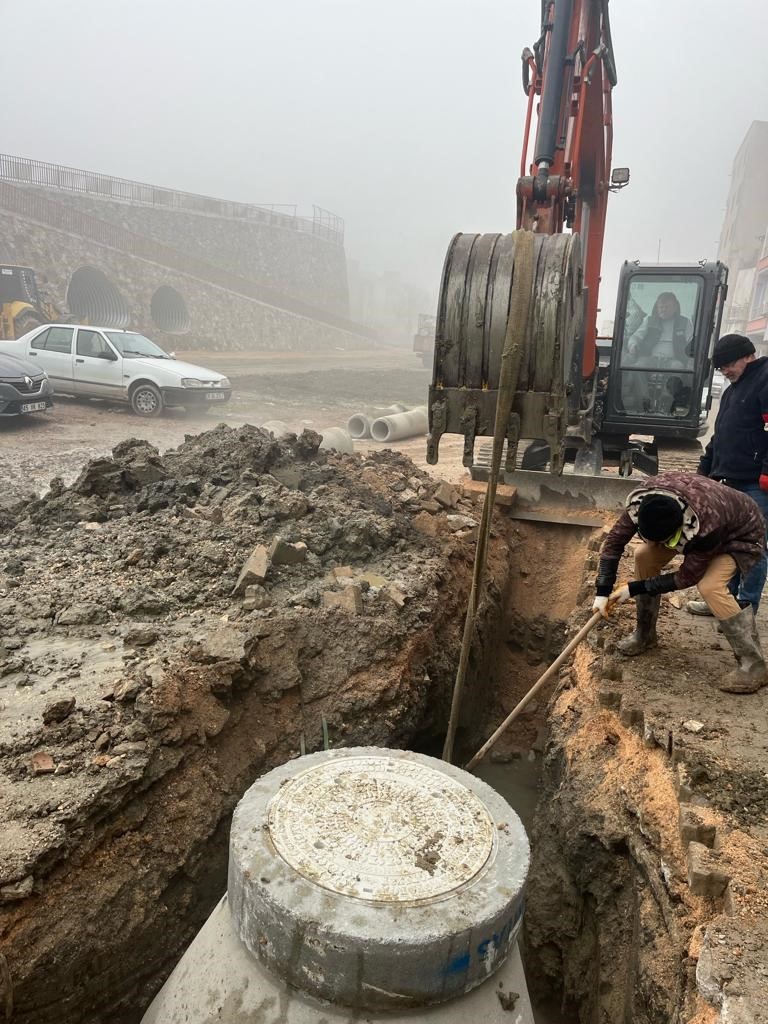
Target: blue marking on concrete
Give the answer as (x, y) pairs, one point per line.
(458, 965)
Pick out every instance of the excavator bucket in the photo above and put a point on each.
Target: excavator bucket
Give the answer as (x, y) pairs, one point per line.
(568, 498)
(550, 407)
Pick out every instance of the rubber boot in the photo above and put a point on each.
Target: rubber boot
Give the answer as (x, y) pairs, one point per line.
(751, 673)
(644, 637)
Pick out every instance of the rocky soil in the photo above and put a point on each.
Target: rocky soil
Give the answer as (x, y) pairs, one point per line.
(171, 627)
(649, 890)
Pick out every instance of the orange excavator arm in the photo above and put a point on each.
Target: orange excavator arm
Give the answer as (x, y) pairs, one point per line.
(568, 77)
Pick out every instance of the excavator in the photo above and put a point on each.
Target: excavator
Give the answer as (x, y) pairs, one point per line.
(579, 405)
(22, 307)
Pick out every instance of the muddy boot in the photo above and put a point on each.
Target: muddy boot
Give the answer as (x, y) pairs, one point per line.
(752, 673)
(644, 636)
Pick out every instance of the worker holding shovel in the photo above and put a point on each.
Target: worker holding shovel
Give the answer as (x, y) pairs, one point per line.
(719, 531)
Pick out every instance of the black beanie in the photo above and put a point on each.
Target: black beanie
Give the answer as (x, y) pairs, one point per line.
(730, 348)
(658, 517)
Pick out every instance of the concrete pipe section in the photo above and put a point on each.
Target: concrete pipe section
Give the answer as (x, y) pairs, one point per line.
(338, 440)
(362, 881)
(359, 425)
(277, 428)
(401, 425)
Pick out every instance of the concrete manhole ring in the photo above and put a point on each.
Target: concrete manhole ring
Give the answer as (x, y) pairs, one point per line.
(379, 829)
(378, 879)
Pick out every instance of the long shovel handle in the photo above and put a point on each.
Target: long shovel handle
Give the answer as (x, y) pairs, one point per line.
(563, 656)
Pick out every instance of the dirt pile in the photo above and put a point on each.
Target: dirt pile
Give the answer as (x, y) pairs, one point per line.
(171, 627)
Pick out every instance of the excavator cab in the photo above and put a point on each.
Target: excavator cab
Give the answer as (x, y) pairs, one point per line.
(21, 308)
(659, 373)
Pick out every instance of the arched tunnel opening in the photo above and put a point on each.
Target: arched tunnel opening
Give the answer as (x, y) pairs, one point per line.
(94, 299)
(169, 311)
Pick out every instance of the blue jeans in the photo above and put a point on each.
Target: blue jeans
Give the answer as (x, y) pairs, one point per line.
(749, 588)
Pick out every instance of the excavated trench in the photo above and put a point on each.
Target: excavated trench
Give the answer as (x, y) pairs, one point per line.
(118, 807)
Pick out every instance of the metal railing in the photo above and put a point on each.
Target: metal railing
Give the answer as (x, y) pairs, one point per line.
(21, 171)
(46, 211)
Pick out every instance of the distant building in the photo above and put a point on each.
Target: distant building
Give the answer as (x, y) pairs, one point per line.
(742, 239)
(757, 315)
(386, 303)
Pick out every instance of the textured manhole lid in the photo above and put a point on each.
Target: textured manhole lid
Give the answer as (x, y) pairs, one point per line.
(380, 829)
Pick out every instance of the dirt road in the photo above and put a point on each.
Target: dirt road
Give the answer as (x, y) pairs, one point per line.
(318, 390)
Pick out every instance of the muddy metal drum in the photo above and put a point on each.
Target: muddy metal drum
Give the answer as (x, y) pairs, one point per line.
(363, 883)
(471, 326)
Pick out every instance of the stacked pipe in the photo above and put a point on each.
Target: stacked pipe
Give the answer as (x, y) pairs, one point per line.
(359, 425)
(394, 424)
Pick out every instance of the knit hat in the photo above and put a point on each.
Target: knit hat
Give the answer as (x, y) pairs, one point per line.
(730, 348)
(659, 517)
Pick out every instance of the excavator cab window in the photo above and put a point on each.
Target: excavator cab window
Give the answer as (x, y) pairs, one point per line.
(657, 347)
(17, 284)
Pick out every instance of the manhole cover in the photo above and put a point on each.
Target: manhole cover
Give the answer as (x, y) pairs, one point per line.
(382, 830)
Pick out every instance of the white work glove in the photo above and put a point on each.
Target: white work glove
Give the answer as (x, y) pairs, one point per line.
(605, 605)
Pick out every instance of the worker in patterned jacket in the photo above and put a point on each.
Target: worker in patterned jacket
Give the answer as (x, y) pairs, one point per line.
(719, 531)
(737, 454)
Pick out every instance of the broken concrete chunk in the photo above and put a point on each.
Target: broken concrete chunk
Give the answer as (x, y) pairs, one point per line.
(447, 495)
(17, 890)
(693, 726)
(694, 829)
(42, 763)
(706, 874)
(254, 569)
(222, 644)
(283, 553)
(58, 710)
(141, 636)
(340, 572)
(407, 495)
(477, 489)
(350, 599)
(394, 595)
(126, 690)
(426, 524)
(459, 522)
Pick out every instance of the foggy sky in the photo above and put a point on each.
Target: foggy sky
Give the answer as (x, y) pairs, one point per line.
(403, 116)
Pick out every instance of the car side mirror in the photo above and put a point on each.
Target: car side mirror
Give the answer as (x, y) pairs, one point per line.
(172, 355)
(109, 356)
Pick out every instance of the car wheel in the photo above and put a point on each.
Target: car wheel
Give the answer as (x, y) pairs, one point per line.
(25, 322)
(146, 400)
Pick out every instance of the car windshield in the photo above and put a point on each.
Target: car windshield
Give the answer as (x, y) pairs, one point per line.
(131, 345)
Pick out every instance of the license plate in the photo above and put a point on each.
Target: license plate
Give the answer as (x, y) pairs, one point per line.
(214, 397)
(33, 407)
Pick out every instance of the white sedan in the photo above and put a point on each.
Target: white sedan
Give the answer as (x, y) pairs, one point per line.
(102, 362)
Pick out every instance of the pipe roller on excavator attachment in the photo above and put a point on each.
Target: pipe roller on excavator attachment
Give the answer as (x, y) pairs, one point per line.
(550, 402)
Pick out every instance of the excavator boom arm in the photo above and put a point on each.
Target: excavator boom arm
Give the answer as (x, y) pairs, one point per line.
(571, 71)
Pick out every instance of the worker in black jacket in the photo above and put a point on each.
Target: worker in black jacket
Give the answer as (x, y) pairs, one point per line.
(737, 454)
